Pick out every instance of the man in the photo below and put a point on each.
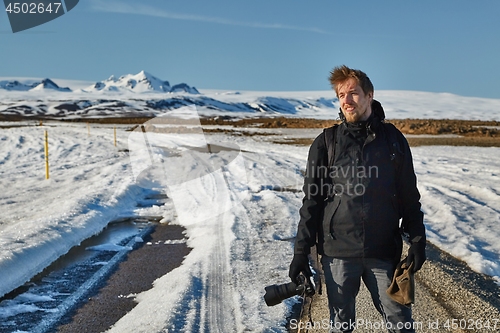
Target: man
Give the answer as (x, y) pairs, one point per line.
(353, 204)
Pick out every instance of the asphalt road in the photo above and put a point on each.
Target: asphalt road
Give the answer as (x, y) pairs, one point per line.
(109, 303)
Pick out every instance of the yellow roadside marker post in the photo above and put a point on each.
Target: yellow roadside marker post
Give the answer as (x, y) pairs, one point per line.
(46, 155)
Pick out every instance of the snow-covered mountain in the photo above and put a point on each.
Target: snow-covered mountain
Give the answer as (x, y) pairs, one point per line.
(143, 82)
(182, 87)
(49, 84)
(144, 95)
(15, 85)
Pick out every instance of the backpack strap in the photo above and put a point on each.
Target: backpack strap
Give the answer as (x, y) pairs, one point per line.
(392, 138)
(397, 157)
(330, 134)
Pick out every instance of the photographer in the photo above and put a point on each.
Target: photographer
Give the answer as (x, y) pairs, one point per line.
(357, 232)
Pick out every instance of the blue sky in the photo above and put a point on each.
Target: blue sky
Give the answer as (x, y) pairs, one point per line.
(439, 45)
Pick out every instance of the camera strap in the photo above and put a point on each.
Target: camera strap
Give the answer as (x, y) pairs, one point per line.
(309, 317)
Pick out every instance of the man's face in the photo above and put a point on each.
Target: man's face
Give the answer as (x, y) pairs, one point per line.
(355, 105)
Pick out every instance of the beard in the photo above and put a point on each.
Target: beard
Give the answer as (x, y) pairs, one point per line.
(359, 114)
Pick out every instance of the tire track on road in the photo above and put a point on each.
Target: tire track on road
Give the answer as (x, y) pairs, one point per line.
(220, 307)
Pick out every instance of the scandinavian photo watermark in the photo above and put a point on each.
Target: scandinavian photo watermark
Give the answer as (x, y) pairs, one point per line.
(204, 177)
(25, 15)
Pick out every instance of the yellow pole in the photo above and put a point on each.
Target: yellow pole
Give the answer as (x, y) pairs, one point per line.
(114, 128)
(46, 155)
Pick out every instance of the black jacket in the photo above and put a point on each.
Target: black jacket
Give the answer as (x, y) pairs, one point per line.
(353, 208)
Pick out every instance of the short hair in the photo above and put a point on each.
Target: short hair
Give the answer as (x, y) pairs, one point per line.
(342, 73)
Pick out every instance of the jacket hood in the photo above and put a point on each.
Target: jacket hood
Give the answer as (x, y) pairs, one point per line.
(378, 110)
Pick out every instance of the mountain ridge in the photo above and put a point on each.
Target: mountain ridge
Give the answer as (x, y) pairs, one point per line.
(15, 85)
(142, 82)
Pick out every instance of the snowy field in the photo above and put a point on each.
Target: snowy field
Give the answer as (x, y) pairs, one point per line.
(238, 201)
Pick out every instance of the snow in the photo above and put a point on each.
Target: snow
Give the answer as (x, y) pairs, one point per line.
(109, 247)
(141, 82)
(239, 206)
(460, 190)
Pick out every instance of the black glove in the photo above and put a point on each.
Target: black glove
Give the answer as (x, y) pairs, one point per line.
(416, 254)
(300, 263)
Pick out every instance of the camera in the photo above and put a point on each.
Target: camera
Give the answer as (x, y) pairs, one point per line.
(276, 293)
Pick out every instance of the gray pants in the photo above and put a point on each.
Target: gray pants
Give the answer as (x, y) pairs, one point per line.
(343, 277)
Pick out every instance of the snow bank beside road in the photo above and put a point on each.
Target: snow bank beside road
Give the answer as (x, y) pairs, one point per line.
(40, 220)
(460, 188)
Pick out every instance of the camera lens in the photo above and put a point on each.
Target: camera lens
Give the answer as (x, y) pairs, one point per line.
(275, 294)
